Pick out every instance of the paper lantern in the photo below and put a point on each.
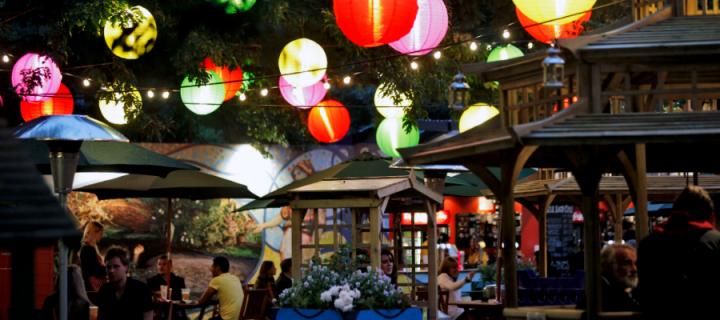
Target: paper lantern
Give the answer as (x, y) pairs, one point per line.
(113, 107)
(232, 78)
(203, 99)
(550, 31)
(391, 135)
(329, 121)
(431, 25)
(546, 10)
(60, 103)
(30, 67)
(302, 97)
(371, 23)
(504, 53)
(130, 39)
(235, 6)
(302, 62)
(385, 104)
(476, 115)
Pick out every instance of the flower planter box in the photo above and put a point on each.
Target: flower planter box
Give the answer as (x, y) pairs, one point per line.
(304, 314)
(385, 314)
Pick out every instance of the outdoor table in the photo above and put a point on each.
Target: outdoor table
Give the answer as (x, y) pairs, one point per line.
(481, 309)
(170, 304)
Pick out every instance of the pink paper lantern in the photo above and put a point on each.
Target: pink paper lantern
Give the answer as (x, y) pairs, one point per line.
(431, 25)
(33, 65)
(302, 97)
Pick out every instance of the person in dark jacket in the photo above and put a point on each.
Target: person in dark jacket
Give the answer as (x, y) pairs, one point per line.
(164, 267)
(284, 281)
(680, 261)
(266, 278)
(619, 278)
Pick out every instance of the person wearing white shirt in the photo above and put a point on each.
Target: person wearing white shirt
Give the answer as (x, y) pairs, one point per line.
(447, 280)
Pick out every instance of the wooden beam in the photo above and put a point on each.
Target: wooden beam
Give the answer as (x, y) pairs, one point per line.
(296, 224)
(432, 261)
(597, 100)
(542, 263)
(642, 226)
(336, 203)
(652, 99)
(486, 176)
(375, 246)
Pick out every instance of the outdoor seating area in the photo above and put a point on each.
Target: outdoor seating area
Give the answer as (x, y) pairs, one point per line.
(365, 159)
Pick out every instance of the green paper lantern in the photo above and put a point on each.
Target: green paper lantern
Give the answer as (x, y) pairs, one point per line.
(391, 135)
(504, 53)
(476, 115)
(235, 6)
(203, 99)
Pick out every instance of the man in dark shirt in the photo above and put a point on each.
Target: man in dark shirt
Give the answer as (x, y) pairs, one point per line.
(679, 263)
(164, 267)
(619, 278)
(284, 281)
(123, 298)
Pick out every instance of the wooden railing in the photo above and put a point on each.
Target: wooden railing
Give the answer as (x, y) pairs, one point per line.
(644, 8)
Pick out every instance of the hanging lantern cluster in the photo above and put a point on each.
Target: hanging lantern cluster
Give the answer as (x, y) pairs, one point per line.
(114, 108)
(131, 34)
(476, 115)
(372, 23)
(385, 103)
(560, 18)
(329, 121)
(302, 97)
(391, 135)
(60, 103)
(429, 29)
(232, 78)
(302, 62)
(203, 99)
(39, 70)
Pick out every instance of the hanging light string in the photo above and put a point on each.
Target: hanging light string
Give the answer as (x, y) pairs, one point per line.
(472, 42)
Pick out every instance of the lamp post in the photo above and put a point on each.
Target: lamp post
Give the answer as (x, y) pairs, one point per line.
(553, 69)
(459, 93)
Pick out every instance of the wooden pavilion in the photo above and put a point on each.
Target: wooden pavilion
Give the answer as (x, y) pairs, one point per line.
(367, 198)
(630, 84)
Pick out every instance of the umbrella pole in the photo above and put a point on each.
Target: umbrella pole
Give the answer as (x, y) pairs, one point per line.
(169, 246)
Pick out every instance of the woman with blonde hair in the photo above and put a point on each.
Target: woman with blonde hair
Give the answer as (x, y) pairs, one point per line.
(447, 280)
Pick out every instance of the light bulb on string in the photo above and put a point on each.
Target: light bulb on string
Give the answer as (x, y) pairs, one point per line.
(489, 47)
(347, 79)
(506, 34)
(264, 92)
(86, 82)
(530, 45)
(414, 65)
(326, 85)
(166, 94)
(437, 55)
(151, 94)
(242, 97)
(5, 58)
(473, 46)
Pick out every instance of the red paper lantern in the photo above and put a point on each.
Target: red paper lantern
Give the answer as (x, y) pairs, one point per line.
(550, 31)
(232, 78)
(329, 121)
(59, 103)
(371, 23)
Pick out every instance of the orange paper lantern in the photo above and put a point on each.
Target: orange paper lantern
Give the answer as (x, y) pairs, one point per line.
(232, 78)
(329, 121)
(552, 30)
(59, 103)
(372, 23)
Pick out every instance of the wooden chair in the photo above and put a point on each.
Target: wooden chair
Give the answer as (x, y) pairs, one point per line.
(421, 294)
(255, 304)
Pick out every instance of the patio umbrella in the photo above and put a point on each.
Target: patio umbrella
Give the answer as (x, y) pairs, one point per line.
(187, 184)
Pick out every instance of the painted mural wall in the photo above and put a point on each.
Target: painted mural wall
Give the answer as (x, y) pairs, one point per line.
(204, 229)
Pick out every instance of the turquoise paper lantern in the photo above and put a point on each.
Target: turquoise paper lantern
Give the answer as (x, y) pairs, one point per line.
(391, 135)
(504, 53)
(203, 99)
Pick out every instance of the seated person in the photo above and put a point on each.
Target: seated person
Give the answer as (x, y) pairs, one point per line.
(228, 288)
(164, 268)
(266, 278)
(122, 297)
(284, 281)
(387, 264)
(447, 280)
(78, 302)
(619, 278)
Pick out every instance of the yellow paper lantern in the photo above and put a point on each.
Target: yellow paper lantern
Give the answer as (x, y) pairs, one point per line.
(385, 104)
(302, 62)
(542, 11)
(113, 107)
(131, 38)
(476, 115)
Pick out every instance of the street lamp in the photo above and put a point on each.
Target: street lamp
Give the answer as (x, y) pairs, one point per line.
(459, 93)
(553, 69)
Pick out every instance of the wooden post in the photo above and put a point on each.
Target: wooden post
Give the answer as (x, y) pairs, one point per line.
(509, 253)
(296, 221)
(432, 261)
(592, 242)
(353, 232)
(642, 227)
(375, 245)
(542, 263)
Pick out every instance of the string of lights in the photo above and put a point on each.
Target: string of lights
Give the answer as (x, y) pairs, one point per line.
(473, 44)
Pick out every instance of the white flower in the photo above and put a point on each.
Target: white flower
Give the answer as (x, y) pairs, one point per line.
(306, 284)
(326, 296)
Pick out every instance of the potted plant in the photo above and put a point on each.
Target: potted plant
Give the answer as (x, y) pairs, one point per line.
(339, 290)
